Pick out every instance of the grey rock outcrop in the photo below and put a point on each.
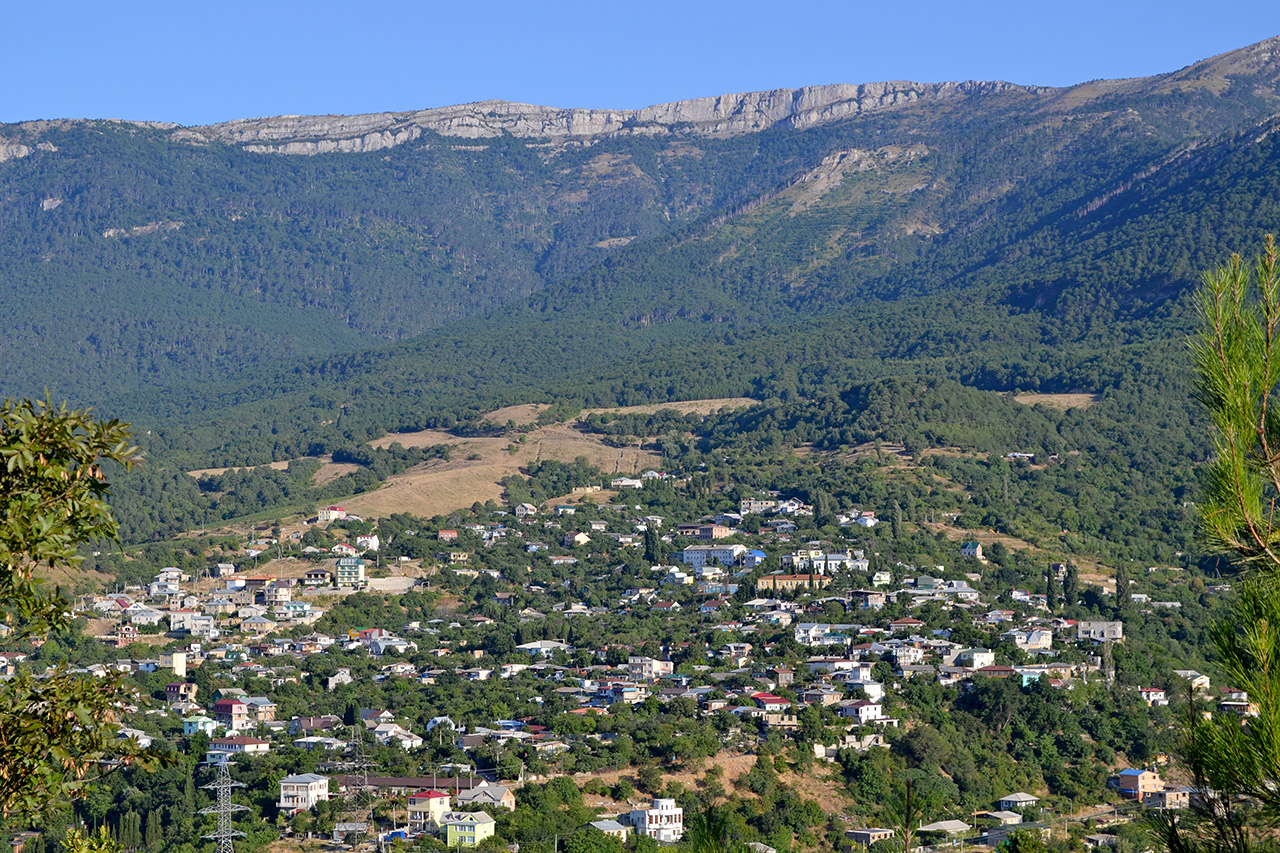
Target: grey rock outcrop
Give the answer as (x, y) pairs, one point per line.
(724, 115)
(13, 150)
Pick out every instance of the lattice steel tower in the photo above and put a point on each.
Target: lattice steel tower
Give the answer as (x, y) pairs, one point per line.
(359, 764)
(224, 809)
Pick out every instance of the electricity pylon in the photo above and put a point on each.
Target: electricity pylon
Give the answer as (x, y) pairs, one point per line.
(224, 809)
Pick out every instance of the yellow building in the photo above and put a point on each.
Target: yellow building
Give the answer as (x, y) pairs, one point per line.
(427, 810)
(790, 583)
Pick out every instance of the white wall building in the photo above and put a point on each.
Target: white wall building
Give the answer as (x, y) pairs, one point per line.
(663, 822)
(301, 792)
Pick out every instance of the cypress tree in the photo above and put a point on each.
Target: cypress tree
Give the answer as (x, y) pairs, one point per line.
(653, 546)
(1122, 591)
(153, 837)
(1071, 585)
(129, 830)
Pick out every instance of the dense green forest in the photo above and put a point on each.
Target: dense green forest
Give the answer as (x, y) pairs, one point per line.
(138, 264)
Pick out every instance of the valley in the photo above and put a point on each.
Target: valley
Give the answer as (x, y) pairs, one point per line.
(518, 477)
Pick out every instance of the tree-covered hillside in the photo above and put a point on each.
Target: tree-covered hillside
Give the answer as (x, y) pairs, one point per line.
(135, 260)
(1006, 240)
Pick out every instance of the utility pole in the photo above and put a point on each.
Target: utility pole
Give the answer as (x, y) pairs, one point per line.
(224, 809)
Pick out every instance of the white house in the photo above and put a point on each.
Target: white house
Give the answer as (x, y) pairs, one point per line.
(1100, 631)
(700, 555)
(222, 749)
(976, 658)
(545, 648)
(663, 822)
(301, 792)
(866, 711)
(331, 513)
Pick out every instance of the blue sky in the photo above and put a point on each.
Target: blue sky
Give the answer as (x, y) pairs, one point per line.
(200, 63)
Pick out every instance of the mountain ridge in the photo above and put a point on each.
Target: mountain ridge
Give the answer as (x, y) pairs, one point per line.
(986, 189)
(718, 115)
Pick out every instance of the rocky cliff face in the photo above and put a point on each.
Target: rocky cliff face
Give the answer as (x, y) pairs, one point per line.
(724, 115)
(718, 116)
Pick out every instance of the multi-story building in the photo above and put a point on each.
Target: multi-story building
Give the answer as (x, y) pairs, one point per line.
(467, 829)
(350, 572)
(180, 692)
(700, 555)
(261, 709)
(301, 792)
(331, 513)
(199, 723)
(232, 713)
(427, 810)
(756, 506)
(712, 532)
(790, 583)
(1104, 632)
(976, 658)
(647, 669)
(663, 822)
(276, 594)
(221, 750)
(1139, 784)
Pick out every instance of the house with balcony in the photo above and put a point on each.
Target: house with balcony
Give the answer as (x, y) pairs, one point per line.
(350, 572)
(1100, 632)
(467, 829)
(427, 810)
(301, 792)
(1139, 784)
(223, 749)
(663, 821)
(232, 713)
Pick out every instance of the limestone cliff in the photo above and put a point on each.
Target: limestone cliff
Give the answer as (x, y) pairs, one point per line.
(1257, 66)
(715, 116)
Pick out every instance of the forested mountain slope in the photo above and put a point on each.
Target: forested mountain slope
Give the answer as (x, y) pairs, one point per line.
(140, 256)
(1038, 243)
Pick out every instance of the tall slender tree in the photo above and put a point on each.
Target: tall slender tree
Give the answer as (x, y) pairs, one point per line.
(1071, 585)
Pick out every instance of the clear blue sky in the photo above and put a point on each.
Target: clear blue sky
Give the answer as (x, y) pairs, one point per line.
(198, 63)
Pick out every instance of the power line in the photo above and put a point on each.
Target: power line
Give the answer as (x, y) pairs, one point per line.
(359, 763)
(224, 809)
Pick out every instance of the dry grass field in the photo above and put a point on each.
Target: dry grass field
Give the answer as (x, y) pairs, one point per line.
(330, 471)
(1059, 401)
(201, 472)
(701, 407)
(986, 537)
(821, 784)
(518, 415)
(478, 465)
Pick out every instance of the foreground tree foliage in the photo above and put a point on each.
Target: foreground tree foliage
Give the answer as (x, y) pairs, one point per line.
(1235, 766)
(1237, 358)
(56, 731)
